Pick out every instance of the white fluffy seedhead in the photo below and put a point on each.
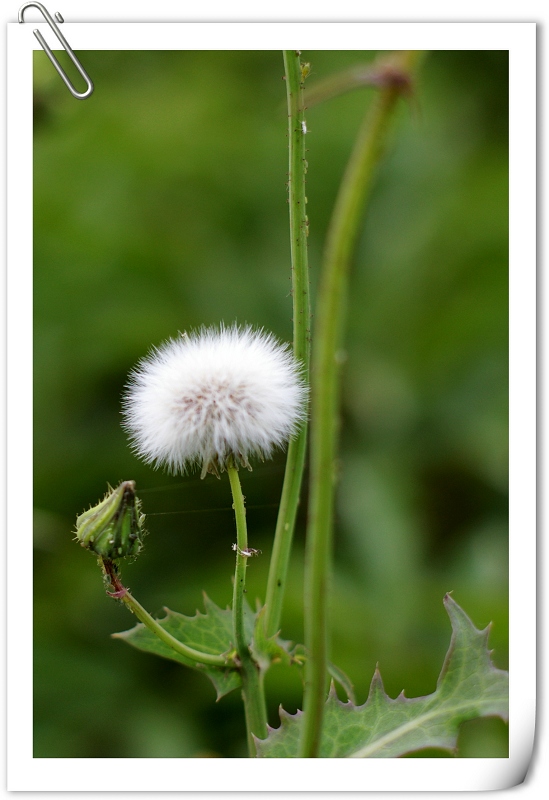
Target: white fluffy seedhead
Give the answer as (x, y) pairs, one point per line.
(214, 395)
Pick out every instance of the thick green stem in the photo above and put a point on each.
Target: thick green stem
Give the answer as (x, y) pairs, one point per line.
(295, 462)
(341, 240)
(252, 682)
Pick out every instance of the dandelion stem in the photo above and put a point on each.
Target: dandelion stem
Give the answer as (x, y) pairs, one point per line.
(252, 680)
(295, 461)
(342, 235)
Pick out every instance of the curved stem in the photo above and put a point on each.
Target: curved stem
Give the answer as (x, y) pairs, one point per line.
(252, 683)
(195, 655)
(121, 593)
(341, 240)
(295, 462)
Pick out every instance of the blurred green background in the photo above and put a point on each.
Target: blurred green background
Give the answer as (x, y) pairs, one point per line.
(160, 205)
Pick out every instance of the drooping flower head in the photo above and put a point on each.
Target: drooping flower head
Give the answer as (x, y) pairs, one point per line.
(214, 395)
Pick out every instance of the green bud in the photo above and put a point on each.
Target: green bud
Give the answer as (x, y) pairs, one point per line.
(114, 527)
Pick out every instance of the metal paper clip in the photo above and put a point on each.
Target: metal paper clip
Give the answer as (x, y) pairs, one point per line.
(66, 45)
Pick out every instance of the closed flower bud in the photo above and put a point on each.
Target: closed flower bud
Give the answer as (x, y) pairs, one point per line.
(114, 527)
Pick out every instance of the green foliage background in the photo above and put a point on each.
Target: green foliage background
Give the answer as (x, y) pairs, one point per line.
(160, 205)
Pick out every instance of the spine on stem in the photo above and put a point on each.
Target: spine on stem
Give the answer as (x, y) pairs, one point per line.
(295, 73)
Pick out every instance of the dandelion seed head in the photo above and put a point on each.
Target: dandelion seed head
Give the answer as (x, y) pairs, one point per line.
(212, 395)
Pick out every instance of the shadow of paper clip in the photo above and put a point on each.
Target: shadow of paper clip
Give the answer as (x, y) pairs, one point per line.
(47, 16)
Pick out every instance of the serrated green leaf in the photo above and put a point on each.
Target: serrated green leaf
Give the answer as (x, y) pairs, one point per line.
(211, 632)
(469, 686)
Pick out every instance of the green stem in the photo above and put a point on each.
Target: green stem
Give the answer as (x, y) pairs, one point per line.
(110, 570)
(295, 462)
(252, 682)
(341, 240)
(189, 652)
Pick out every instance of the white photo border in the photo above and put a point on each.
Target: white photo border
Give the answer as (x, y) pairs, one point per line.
(28, 774)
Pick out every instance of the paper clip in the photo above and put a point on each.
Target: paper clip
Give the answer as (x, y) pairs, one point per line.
(66, 45)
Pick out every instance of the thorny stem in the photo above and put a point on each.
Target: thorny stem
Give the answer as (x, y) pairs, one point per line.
(341, 240)
(252, 682)
(295, 462)
(121, 593)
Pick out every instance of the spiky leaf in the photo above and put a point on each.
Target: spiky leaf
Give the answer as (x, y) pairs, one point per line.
(211, 632)
(469, 686)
